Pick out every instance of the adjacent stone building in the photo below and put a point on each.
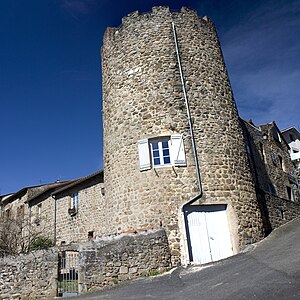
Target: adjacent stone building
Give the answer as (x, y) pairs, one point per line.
(270, 162)
(71, 211)
(13, 205)
(80, 209)
(275, 176)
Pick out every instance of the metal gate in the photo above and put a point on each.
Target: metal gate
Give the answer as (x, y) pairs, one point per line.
(67, 274)
(208, 233)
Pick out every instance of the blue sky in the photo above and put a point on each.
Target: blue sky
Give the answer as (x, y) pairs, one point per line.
(50, 76)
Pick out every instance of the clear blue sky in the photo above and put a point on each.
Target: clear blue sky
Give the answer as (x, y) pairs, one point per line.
(50, 76)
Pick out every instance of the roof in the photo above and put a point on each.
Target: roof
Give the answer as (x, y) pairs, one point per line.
(290, 128)
(3, 197)
(78, 181)
(23, 191)
(50, 187)
(250, 123)
(266, 126)
(273, 124)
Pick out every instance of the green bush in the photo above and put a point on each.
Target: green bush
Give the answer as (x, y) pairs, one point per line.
(40, 243)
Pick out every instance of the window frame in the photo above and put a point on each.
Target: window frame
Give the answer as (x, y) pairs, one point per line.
(174, 157)
(160, 150)
(38, 214)
(74, 202)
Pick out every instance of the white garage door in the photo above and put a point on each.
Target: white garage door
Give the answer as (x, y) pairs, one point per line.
(208, 233)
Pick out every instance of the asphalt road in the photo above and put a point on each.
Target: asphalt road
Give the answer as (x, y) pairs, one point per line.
(271, 270)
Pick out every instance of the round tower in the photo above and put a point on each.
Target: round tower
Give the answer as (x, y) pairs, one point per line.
(150, 168)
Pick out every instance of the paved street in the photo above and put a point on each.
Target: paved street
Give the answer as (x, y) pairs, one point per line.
(270, 271)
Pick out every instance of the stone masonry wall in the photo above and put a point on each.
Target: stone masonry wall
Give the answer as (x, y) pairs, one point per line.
(280, 211)
(102, 263)
(44, 224)
(269, 174)
(89, 217)
(143, 98)
(108, 261)
(30, 276)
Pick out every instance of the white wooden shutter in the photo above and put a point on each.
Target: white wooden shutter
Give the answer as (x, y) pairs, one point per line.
(144, 156)
(177, 150)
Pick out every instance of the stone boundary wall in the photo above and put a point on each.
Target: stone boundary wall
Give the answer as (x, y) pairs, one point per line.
(102, 262)
(29, 276)
(108, 261)
(280, 211)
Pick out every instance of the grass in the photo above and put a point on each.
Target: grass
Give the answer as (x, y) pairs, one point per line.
(68, 285)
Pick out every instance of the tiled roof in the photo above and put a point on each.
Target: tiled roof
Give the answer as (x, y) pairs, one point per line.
(78, 181)
(49, 188)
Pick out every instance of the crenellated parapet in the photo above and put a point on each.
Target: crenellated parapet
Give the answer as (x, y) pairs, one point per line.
(132, 20)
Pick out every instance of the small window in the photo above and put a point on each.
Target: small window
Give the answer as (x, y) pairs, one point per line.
(272, 189)
(273, 158)
(280, 161)
(73, 208)
(160, 152)
(38, 216)
(20, 214)
(261, 149)
(90, 235)
(7, 213)
(74, 201)
(281, 213)
(290, 193)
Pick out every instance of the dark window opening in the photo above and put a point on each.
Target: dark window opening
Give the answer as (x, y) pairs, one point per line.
(272, 189)
(261, 148)
(90, 235)
(290, 193)
(282, 213)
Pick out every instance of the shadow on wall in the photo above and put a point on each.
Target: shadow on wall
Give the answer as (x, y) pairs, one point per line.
(261, 178)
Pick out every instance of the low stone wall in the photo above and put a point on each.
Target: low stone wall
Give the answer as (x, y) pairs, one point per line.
(110, 260)
(102, 263)
(280, 211)
(30, 276)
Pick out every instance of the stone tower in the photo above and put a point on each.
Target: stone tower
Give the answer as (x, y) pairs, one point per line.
(149, 165)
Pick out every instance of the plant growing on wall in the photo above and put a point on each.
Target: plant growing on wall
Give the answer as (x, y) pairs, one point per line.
(21, 237)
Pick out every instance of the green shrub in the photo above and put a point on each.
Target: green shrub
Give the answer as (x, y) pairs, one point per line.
(40, 243)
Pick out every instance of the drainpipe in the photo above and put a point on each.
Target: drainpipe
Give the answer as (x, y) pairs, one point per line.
(54, 221)
(187, 111)
(200, 192)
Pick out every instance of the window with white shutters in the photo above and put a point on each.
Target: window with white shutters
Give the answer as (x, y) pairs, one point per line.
(177, 150)
(161, 152)
(144, 155)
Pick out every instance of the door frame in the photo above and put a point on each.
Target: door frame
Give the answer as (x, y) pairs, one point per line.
(202, 208)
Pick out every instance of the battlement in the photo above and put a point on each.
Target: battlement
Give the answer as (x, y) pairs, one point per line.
(157, 12)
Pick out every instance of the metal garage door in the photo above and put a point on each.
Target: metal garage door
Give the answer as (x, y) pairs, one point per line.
(208, 233)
